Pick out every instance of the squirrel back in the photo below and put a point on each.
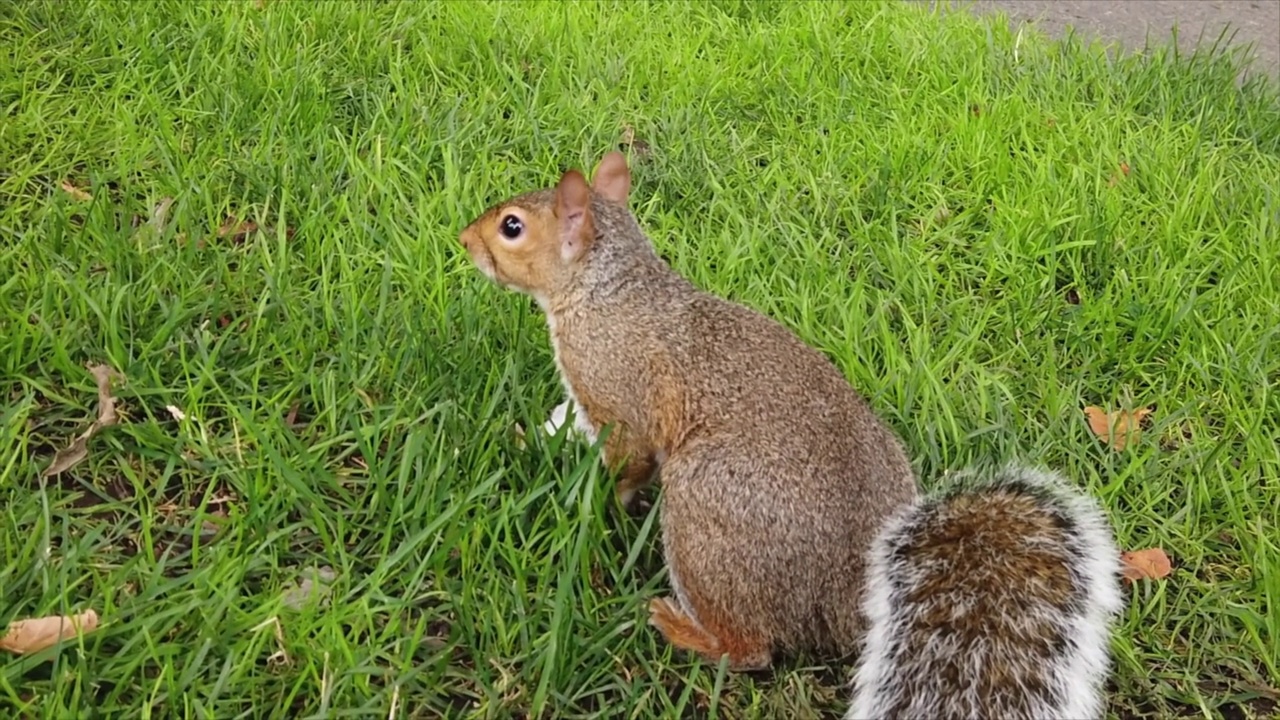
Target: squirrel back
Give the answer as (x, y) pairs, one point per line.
(993, 598)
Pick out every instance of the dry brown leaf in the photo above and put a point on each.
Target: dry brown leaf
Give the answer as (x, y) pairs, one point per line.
(71, 455)
(209, 532)
(236, 229)
(35, 634)
(78, 450)
(75, 192)
(103, 375)
(291, 417)
(1118, 428)
(1117, 177)
(160, 214)
(155, 225)
(1149, 564)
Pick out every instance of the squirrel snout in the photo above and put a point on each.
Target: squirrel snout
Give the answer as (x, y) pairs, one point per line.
(476, 250)
(471, 242)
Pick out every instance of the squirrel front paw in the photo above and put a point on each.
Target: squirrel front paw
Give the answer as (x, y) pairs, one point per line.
(558, 417)
(578, 430)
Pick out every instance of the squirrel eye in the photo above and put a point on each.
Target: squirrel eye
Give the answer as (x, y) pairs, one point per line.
(511, 227)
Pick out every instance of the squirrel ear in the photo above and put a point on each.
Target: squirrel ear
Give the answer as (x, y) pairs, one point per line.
(573, 210)
(613, 180)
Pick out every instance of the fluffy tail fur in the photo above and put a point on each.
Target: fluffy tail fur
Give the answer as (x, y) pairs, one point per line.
(990, 600)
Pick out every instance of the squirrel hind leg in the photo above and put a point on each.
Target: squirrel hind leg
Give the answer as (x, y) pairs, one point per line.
(685, 633)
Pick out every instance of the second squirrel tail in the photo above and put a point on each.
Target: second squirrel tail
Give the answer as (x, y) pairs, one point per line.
(991, 599)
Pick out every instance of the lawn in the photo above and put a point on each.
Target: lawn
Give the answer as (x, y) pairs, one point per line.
(250, 212)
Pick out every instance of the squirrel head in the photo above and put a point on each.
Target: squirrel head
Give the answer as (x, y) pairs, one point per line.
(539, 243)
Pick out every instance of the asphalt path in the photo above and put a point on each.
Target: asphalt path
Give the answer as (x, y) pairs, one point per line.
(1130, 24)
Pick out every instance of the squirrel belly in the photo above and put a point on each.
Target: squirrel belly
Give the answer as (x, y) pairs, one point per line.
(992, 599)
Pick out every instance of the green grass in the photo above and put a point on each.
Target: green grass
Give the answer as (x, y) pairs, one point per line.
(931, 200)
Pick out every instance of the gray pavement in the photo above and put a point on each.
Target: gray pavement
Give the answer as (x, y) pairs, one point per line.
(1130, 22)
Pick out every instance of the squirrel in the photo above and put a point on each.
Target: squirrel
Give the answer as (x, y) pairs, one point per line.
(992, 598)
(775, 473)
(790, 515)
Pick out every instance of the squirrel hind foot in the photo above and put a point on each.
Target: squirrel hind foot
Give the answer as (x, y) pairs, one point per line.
(682, 631)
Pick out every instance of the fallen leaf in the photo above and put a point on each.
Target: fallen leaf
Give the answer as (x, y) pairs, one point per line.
(35, 634)
(291, 418)
(160, 214)
(1118, 428)
(209, 532)
(78, 450)
(175, 412)
(104, 374)
(1115, 178)
(75, 192)
(314, 585)
(71, 455)
(236, 229)
(1149, 564)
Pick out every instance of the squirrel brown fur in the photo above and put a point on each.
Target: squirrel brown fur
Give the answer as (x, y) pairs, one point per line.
(775, 473)
(790, 516)
(992, 598)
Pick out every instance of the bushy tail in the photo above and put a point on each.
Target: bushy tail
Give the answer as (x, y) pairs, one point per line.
(992, 599)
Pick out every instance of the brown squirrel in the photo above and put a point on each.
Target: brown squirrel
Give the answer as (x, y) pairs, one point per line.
(777, 476)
